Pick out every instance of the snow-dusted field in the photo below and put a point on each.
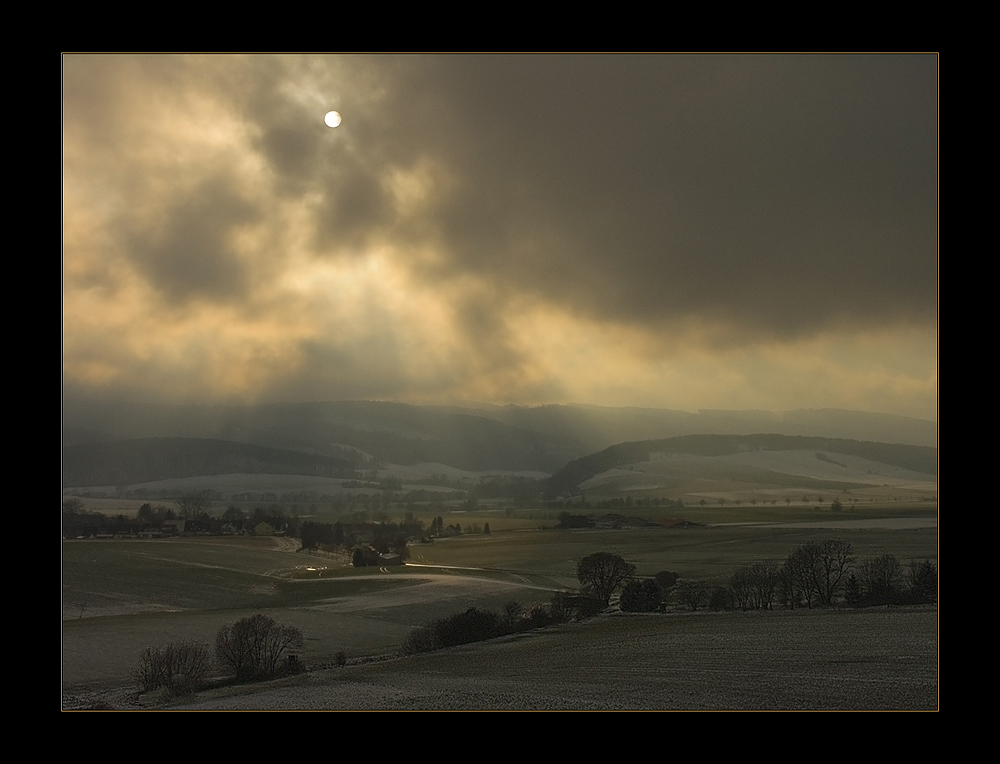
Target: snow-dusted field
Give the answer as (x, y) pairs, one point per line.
(759, 466)
(798, 660)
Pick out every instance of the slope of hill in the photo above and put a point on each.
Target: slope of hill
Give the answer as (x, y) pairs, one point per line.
(918, 460)
(138, 461)
(404, 433)
(702, 661)
(599, 427)
(385, 432)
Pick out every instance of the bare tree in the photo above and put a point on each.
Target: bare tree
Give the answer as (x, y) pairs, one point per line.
(694, 594)
(834, 558)
(816, 571)
(753, 587)
(882, 580)
(179, 668)
(602, 573)
(799, 572)
(741, 588)
(512, 611)
(923, 580)
(253, 646)
(765, 583)
(192, 506)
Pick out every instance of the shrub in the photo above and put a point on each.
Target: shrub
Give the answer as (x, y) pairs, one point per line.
(253, 646)
(720, 598)
(537, 617)
(572, 606)
(419, 640)
(512, 614)
(694, 594)
(150, 674)
(666, 579)
(640, 596)
(179, 668)
(473, 625)
(923, 581)
(854, 594)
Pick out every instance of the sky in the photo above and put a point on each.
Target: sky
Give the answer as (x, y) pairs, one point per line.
(674, 231)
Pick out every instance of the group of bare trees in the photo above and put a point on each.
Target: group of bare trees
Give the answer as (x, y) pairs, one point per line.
(250, 649)
(753, 587)
(815, 574)
(823, 573)
(253, 647)
(177, 668)
(883, 581)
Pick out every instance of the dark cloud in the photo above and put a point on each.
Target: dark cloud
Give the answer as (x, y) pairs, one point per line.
(480, 224)
(779, 193)
(787, 192)
(292, 149)
(191, 254)
(286, 133)
(355, 207)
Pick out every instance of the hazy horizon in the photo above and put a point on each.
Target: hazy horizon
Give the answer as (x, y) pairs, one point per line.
(683, 232)
(81, 397)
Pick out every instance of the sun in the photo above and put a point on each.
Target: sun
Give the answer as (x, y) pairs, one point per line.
(332, 118)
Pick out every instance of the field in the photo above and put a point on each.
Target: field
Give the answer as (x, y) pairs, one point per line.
(801, 660)
(109, 621)
(122, 596)
(701, 552)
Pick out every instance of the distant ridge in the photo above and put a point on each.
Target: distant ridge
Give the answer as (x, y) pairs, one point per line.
(917, 458)
(141, 461)
(515, 438)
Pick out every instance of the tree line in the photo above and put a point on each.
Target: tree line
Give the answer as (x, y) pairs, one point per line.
(826, 573)
(815, 574)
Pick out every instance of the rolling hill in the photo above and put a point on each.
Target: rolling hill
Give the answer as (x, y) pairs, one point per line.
(765, 459)
(473, 437)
